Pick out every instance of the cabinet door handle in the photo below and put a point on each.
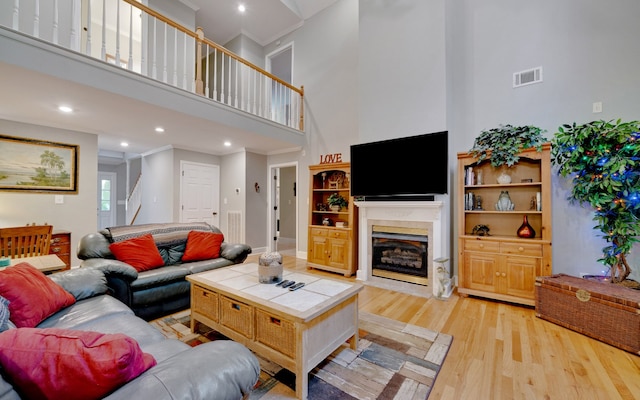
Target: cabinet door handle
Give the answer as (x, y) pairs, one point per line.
(497, 273)
(481, 246)
(504, 274)
(520, 248)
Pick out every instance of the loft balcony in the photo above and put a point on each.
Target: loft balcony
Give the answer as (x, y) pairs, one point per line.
(120, 52)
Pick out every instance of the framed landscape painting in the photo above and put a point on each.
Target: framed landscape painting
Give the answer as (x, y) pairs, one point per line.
(33, 165)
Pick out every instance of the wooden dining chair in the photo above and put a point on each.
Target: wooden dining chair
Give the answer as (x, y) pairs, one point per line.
(25, 241)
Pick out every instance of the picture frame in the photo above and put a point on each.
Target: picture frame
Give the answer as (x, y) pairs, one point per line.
(34, 165)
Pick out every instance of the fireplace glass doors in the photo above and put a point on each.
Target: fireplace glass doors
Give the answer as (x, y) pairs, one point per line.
(400, 253)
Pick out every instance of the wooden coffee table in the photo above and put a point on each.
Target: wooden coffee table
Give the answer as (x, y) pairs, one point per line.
(294, 329)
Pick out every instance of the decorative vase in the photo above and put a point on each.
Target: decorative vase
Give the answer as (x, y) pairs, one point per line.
(504, 202)
(335, 208)
(525, 230)
(504, 178)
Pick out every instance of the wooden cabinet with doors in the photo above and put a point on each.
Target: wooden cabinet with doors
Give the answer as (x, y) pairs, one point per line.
(61, 246)
(332, 242)
(502, 265)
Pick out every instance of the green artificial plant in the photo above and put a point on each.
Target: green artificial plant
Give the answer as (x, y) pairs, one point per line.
(502, 145)
(603, 157)
(337, 200)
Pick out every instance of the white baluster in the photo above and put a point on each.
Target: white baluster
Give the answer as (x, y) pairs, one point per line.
(221, 79)
(206, 79)
(16, 15)
(103, 51)
(154, 68)
(144, 24)
(260, 86)
(36, 19)
(130, 61)
(215, 73)
(175, 57)
(235, 103)
(118, 33)
(74, 38)
(184, 62)
(164, 73)
(229, 83)
(255, 91)
(88, 42)
(55, 21)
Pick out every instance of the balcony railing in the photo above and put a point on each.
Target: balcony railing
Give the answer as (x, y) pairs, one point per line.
(135, 37)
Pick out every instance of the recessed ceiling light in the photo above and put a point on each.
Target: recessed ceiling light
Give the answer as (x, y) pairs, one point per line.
(227, 143)
(124, 144)
(242, 8)
(65, 109)
(159, 129)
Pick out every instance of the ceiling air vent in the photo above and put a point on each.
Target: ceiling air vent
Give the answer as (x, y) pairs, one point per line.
(527, 77)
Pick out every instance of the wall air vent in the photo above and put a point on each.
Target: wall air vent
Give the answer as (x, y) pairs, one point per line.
(527, 77)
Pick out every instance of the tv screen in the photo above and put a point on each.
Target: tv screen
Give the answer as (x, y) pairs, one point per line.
(413, 167)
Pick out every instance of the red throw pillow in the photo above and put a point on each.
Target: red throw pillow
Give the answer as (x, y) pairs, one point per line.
(202, 246)
(140, 252)
(32, 295)
(67, 364)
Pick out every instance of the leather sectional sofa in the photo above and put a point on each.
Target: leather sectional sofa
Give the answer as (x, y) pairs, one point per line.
(163, 289)
(220, 369)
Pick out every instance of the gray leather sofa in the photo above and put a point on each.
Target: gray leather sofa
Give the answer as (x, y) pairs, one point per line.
(221, 369)
(160, 291)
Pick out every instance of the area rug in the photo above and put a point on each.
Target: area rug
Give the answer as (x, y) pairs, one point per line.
(394, 360)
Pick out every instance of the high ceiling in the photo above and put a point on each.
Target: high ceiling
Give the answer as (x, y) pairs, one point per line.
(263, 21)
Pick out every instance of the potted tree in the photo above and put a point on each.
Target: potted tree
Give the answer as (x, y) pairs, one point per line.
(502, 145)
(603, 159)
(336, 202)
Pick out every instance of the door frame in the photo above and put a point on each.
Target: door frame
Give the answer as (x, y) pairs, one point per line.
(271, 222)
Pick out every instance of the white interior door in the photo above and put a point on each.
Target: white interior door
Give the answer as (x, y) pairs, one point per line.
(106, 199)
(199, 193)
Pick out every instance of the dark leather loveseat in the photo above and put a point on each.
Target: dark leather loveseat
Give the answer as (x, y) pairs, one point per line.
(159, 291)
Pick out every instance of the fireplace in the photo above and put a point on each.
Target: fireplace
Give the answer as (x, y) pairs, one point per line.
(418, 218)
(400, 253)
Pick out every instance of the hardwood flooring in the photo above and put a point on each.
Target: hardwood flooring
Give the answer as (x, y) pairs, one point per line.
(503, 351)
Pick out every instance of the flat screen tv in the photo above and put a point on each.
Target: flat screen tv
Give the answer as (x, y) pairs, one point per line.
(408, 168)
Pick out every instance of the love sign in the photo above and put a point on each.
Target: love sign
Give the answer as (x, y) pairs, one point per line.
(330, 158)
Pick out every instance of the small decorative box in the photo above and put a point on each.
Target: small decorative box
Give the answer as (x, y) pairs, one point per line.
(5, 261)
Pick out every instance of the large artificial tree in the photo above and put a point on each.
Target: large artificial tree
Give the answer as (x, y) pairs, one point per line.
(603, 158)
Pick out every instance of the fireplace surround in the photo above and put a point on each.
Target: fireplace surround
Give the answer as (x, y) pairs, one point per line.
(412, 215)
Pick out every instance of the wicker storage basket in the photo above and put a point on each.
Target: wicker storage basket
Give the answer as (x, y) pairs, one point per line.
(204, 302)
(237, 316)
(276, 333)
(606, 312)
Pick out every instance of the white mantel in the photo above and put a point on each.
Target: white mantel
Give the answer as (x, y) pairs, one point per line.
(427, 214)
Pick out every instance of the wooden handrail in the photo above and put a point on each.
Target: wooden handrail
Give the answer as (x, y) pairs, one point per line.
(181, 28)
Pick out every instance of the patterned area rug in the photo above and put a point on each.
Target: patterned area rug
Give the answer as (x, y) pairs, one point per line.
(393, 361)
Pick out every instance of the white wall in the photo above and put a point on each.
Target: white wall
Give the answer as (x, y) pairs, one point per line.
(257, 202)
(157, 188)
(232, 177)
(588, 52)
(401, 69)
(326, 63)
(78, 212)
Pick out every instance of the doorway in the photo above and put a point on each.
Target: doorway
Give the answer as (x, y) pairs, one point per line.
(283, 203)
(280, 64)
(106, 199)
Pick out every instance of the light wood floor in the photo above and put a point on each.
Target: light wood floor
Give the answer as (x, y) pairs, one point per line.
(503, 351)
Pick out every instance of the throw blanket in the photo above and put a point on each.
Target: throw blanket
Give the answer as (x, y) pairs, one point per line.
(163, 234)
